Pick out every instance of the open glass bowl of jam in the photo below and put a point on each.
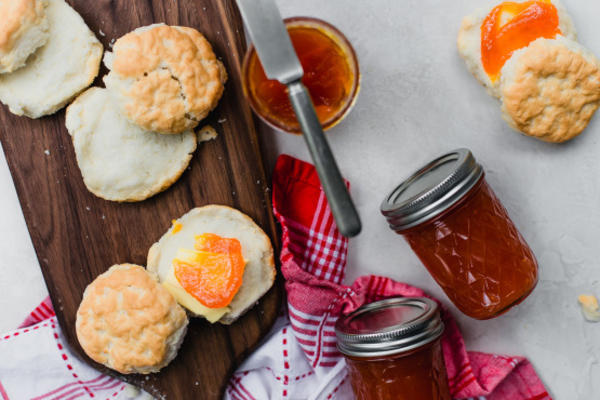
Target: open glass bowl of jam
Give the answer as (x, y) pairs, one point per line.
(393, 351)
(463, 235)
(331, 75)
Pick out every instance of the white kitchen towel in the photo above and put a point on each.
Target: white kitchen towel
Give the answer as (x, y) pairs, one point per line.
(36, 364)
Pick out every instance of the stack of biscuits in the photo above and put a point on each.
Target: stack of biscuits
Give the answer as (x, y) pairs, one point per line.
(549, 89)
(136, 137)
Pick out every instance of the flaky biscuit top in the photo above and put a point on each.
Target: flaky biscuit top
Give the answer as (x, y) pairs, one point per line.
(125, 319)
(175, 76)
(551, 89)
(16, 17)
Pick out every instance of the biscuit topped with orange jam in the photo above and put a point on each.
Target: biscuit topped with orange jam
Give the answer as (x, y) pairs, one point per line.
(526, 55)
(489, 37)
(215, 261)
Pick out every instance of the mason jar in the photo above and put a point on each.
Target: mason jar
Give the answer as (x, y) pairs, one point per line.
(393, 351)
(462, 234)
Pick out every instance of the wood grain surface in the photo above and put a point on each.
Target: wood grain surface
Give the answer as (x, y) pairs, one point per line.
(78, 236)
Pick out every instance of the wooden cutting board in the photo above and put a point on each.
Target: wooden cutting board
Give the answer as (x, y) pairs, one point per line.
(78, 236)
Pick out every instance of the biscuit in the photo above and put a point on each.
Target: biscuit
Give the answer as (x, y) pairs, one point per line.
(56, 72)
(120, 161)
(259, 273)
(23, 29)
(551, 89)
(469, 42)
(165, 78)
(128, 322)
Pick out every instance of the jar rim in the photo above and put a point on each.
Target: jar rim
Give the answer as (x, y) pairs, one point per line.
(411, 322)
(431, 190)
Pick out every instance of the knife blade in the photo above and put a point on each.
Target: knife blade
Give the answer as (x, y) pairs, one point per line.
(271, 40)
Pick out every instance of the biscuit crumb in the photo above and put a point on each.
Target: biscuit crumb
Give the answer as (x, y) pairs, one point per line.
(589, 307)
(47, 152)
(207, 133)
(101, 33)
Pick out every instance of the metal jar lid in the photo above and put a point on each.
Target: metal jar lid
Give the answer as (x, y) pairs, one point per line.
(431, 190)
(391, 326)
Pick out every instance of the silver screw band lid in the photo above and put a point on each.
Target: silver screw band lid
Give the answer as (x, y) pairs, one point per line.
(391, 326)
(431, 190)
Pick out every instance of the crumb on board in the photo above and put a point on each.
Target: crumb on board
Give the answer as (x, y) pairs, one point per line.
(207, 133)
(47, 152)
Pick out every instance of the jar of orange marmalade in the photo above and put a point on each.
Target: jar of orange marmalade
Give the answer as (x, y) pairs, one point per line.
(463, 235)
(393, 351)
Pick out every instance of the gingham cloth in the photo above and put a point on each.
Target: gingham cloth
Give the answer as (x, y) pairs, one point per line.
(299, 359)
(36, 364)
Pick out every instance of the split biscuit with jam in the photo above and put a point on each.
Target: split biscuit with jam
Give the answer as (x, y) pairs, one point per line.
(216, 261)
(525, 54)
(165, 79)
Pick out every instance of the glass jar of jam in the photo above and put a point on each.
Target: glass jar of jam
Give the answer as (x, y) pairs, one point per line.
(331, 76)
(393, 351)
(463, 235)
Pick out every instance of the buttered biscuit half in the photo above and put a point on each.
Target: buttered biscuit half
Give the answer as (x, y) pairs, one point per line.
(216, 261)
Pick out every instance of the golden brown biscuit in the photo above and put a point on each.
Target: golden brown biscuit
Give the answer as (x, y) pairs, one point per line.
(23, 29)
(165, 78)
(129, 322)
(551, 89)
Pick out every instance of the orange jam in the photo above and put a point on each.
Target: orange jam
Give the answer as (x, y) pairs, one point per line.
(393, 350)
(511, 26)
(477, 255)
(418, 375)
(330, 75)
(212, 272)
(463, 235)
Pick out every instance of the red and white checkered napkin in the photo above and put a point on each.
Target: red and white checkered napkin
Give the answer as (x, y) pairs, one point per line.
(36, 363)
(299, 359)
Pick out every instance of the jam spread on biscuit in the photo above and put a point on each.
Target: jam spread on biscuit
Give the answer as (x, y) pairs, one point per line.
(511, 26)
(212, 272)
(327, 76)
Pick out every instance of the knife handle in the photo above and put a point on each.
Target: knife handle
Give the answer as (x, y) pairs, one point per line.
(342, 208)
